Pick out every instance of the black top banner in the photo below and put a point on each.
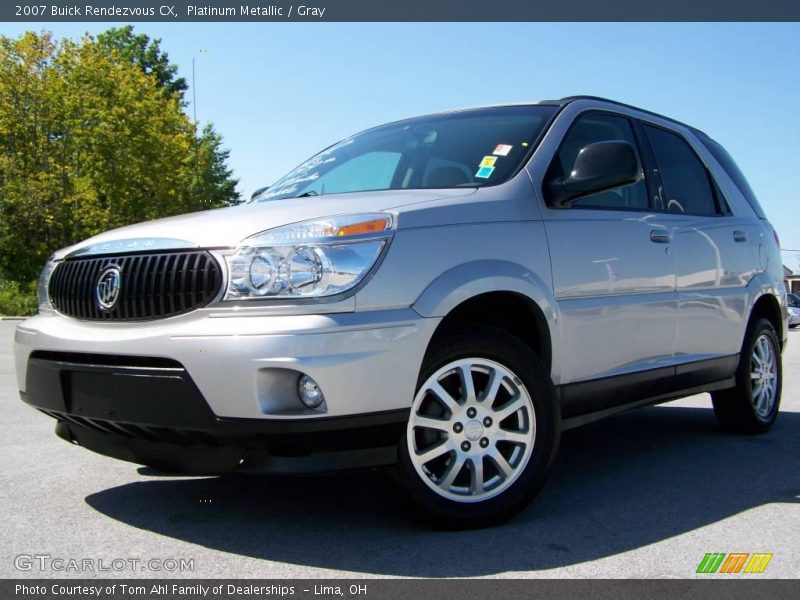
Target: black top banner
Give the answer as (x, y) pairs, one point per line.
(401, 10)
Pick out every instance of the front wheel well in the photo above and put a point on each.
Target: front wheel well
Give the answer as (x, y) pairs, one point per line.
(510, 311)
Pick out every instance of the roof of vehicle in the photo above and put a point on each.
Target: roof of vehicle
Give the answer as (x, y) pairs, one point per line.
(568, 99)
(558, 103)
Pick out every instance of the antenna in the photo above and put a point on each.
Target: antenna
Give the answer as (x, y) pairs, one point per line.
(194, 86)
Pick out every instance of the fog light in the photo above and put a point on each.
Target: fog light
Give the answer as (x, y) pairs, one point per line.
(309, 392)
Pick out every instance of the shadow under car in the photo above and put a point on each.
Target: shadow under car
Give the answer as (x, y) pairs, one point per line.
(618, 484)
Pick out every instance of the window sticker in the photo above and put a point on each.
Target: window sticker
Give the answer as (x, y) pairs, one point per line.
(484, 172)
(502, 150)
(488, 161)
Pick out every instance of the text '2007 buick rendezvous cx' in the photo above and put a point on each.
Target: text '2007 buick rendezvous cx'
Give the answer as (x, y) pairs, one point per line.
(444, 294)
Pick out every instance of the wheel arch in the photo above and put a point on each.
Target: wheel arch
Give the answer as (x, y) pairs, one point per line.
(498, 293)
(766, 298)
(766, 306)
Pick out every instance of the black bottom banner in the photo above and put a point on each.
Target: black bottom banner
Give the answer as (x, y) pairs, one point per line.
(399, 589)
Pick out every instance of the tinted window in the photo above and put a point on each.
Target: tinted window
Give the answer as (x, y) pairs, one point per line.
(599, 128)
(686, 184)
(733, 171)
(440, 172)
(469, 148)
(373, 171)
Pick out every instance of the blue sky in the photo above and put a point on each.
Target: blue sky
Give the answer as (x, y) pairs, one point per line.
(280, 92)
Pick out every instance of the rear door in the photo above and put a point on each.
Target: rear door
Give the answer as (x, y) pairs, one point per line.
(716, 256)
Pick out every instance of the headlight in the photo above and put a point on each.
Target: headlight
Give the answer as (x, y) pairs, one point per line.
(44, 281)
(311, 259)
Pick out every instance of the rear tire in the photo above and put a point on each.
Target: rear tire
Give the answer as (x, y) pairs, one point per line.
(752, 406)
(477, 450)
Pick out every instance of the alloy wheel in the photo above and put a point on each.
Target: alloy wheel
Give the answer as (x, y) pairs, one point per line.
(763, 376)
(472, 429)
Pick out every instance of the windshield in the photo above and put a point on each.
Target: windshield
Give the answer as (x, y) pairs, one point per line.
(470, 148)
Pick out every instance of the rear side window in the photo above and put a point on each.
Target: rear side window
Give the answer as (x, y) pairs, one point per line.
(597, 127)
(686, 184)
(733, 171)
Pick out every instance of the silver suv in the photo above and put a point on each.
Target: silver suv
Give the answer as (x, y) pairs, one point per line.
(445, 294)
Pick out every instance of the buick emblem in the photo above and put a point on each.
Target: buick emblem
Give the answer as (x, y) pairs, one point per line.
(108, 286)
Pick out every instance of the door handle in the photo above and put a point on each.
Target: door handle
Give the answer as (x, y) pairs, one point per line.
(660, 236)
(739, 236)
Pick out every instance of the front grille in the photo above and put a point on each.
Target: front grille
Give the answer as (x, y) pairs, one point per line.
(152, 286)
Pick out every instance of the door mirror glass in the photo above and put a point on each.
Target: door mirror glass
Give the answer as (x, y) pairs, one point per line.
(598, 167)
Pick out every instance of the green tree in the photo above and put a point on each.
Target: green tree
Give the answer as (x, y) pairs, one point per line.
(145, 53)
(209, 182)
(89, 140)
(34, 174)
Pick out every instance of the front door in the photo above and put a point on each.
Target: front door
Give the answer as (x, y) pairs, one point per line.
(613, 279)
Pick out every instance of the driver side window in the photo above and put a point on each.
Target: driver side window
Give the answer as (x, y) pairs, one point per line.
(589, 129)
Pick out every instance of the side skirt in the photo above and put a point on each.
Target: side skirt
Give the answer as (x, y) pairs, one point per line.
(588, 401)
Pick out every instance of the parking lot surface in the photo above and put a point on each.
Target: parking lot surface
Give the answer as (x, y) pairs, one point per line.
(644, 494)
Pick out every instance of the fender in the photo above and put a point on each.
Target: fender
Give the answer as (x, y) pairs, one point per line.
(764, 284)
(471, 279)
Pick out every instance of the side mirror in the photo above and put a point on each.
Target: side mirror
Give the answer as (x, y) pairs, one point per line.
(258, 191)
(599, 166)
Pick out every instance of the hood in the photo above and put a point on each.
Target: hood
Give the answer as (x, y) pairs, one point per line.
(226, 227)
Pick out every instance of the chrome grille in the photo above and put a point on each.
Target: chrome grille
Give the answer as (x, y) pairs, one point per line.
(152, 285)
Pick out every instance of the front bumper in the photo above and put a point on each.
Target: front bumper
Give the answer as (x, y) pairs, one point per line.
(246, 367)
(150, 412)
(214, 394)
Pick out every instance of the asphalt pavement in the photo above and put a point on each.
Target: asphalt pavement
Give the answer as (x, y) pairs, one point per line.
(643, 494)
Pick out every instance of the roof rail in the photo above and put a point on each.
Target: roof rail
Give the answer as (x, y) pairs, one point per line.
(568, 99)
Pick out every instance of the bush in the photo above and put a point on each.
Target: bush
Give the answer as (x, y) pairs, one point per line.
(16, 299)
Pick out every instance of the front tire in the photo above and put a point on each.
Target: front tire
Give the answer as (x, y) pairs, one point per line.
(752, 406)
(483, 429)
